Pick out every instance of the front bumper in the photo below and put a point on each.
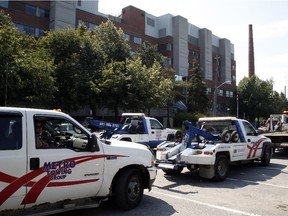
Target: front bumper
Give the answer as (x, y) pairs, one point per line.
(152, 174)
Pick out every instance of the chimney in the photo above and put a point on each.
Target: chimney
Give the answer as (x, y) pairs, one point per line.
(251, 52)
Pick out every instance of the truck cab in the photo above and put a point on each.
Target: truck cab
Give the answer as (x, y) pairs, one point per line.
(63, 161)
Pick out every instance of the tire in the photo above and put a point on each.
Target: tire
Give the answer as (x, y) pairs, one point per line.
(189, 167)
(225, 136)
(173, 171)
(234, 136)
(221, 168)
(128, 190)
(265, 159)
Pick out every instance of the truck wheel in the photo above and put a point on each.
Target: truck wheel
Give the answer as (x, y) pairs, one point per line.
(173, 171)
(128, 190)
(265, 159)
(221, 168)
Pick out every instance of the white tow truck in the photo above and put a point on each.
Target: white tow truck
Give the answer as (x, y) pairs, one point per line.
(276, 129)
(134, 127)
(212, 146)
(73, 170)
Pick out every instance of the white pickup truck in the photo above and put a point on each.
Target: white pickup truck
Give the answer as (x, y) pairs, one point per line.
(212, 146)
(43, 164)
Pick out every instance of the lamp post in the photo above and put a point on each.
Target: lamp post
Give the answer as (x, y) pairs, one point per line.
(215, 97)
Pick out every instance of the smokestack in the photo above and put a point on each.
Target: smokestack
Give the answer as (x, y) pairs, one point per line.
(251, 52)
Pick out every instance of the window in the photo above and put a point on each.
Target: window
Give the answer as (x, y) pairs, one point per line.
(30, 30)
(41, 33)
(127, 37)
(10, 131)
(220, 92)
(4, 4)
(79, 2)
(250, 131)
(43, 13)
(208, 90)
(150, 21)
(137, 40)
(31, 10)
(155, 124)
(227, 94)
(162, 32)
(54, 132)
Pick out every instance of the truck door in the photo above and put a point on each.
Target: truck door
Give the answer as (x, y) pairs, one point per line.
(254, 142)
(156, 133)
(12, 160)
(62, 166)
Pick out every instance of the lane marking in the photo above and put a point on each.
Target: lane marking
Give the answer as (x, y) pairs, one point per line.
(275, 168)
(257, 182)
(206, 204)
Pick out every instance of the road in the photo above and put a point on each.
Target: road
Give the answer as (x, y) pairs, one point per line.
(250, 189)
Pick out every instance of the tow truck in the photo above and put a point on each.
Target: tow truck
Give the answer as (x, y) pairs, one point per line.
(74, 170)
(212, 146)
(277, 130)
(134, 127)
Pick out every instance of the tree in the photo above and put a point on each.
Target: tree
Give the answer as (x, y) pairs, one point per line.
(78, 60)
(112, 42)
(131, 86)
(25, 69)
(197, 97)
(149, 54)
(147, 86)
(257, 98)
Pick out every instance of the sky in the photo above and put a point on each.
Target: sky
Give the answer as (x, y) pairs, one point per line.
(230, 19)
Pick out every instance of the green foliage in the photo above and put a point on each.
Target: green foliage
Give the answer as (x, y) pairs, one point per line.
(73, 68)
(131, 86)
(78, 60)
(25, 68)
(112, 42)
(149, 54)
(197, 97)
(257, 98)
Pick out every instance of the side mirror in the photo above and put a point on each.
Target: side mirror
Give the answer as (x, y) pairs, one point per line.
(93, 143)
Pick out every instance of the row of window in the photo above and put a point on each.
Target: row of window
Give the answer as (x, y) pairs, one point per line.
(220, 92)
(165, 47)
(89, 25)
(36, 32)
(132, 38)
(36, 11)
(29, 9)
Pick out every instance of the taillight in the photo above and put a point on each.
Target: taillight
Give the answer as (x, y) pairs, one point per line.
(208, 153)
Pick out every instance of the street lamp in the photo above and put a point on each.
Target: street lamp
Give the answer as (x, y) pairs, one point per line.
(215, 97)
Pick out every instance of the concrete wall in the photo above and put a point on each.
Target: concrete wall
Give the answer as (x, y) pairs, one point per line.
(62, 14)
(206, 61)
(180, 45)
